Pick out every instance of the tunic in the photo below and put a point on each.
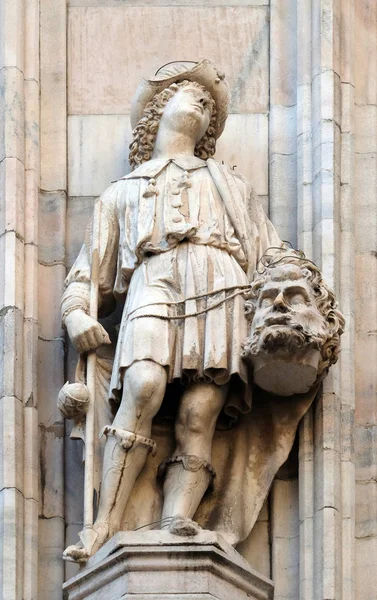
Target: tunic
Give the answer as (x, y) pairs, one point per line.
(169, 243)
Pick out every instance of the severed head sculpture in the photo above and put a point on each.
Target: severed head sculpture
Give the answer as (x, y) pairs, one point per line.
(295, 323)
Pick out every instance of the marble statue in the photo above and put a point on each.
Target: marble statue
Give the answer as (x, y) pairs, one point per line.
(187, 440)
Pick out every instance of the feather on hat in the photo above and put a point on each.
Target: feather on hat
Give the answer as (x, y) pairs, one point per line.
(204, 72)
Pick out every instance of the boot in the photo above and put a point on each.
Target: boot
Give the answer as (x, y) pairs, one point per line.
(187, 479)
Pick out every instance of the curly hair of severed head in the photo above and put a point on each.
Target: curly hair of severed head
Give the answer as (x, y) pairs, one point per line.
(328, 340)
(145, 132)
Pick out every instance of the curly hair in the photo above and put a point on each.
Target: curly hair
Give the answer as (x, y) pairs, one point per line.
(145, 132)
(324, 298)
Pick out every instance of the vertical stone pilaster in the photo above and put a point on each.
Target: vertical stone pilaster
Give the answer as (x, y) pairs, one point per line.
(284, 538)
(306, 506)
(12, 240)
(334, 251)
(282, 122)
(316, 125)
(330, 456)
(51, 274)
(346, 265)
(19, 180)
(325, 210)
(304, 128)
(30, 343)
(365, 314)
(305, 242)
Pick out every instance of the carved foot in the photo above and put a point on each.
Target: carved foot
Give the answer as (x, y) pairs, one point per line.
(76, 553)
(184, 527)
(91, 540)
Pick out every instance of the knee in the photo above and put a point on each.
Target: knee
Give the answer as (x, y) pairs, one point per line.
(195, 421)
(199, 410)
(147, 381)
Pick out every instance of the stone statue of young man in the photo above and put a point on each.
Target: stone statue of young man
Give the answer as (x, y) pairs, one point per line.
(180, 238)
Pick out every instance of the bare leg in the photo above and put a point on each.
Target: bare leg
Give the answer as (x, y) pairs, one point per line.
(143, 391)
(187, 480)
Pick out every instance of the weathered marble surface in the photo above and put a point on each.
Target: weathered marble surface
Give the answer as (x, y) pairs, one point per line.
(52, 217)
(363, 183)
(285, 538)
(103, 76)
(18, 329)
(191, 3)
(139, 565)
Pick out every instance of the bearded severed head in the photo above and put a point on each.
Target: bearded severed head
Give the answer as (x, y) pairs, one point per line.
(295, 324)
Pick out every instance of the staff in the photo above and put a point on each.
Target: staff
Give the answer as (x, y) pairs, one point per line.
(87, 535)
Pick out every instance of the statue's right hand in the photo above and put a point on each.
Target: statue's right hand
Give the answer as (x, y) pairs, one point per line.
(85, 332)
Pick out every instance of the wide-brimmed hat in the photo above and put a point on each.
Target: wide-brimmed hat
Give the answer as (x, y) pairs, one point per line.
(203, 72)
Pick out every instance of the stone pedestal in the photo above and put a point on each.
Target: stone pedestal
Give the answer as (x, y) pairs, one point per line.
(158, 565)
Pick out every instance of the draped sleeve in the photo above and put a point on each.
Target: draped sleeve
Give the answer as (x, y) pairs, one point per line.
(77, 283)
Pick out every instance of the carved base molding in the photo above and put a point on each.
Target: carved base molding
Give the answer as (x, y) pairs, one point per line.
(142, 565)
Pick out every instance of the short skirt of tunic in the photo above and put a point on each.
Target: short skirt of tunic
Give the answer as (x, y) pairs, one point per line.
(206, 347)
